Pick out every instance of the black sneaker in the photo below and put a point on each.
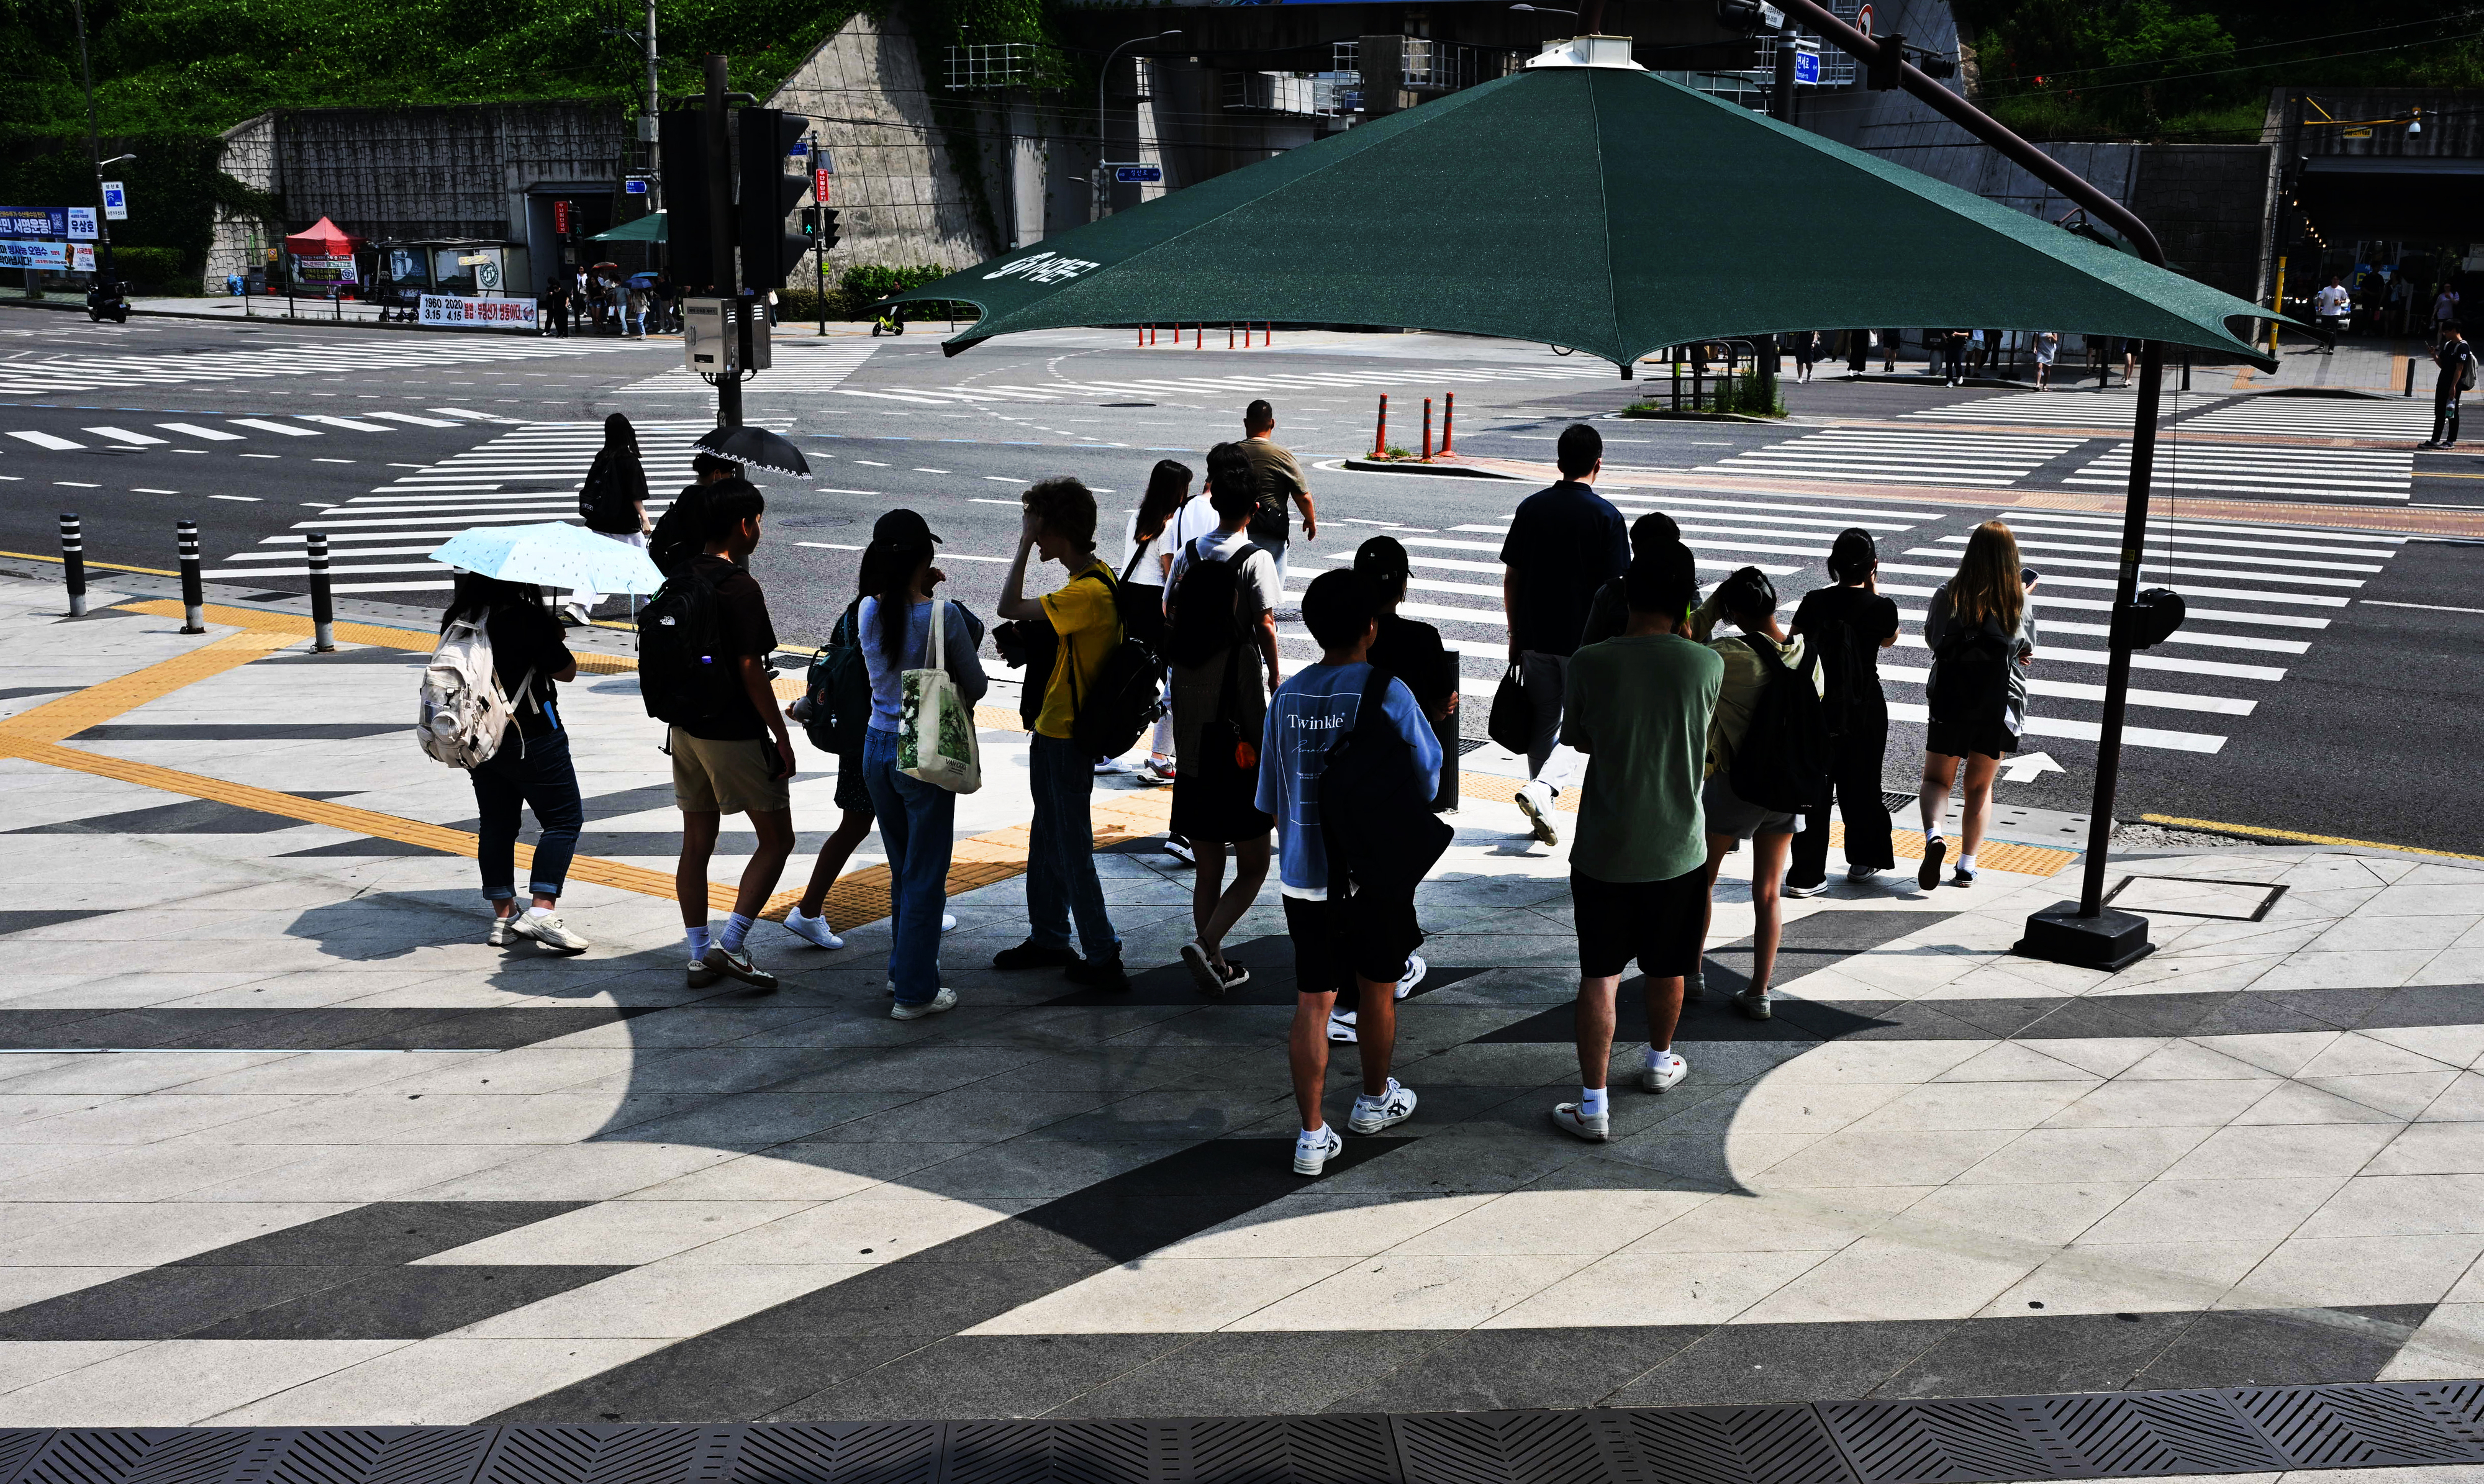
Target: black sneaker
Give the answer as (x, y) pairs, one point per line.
(1103, 971)
(1928, 874)
(1029, 956)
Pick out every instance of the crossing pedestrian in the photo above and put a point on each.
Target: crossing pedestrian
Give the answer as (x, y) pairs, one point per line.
(1640, 707)
(739, 757)
(1280, 484)
(1747, 601)
(2048, 344)
(917, 820)
(1805, 346)
(1349, 946)
(2456, 374)
(1412, 650)
(1086, 622)
(1564, 542)
(1889, 348)
(1149, 546)
(532, 766)
(1957, 348)
(1222, 641)
(1858, 349)
(1937, 353)
(555, 302)
(613, 500)
(1847, 625)
(1981, 624)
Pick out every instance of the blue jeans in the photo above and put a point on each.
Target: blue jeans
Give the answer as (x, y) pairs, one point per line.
(917, 824)
(533, 771)
(1061, 850)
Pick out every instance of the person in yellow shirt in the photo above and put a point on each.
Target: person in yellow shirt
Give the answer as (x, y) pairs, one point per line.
(1061, 885)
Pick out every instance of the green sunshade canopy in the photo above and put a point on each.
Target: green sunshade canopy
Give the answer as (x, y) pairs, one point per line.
(646, 228)
(1593, 206)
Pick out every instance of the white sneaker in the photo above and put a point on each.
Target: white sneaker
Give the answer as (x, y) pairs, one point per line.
(1862, 872)
(1179, 850)
(1535, 801)
(551, 932)
(1372, 1114)
(948, 922)
(1312, 1151)
(1341, 1026)
(1155, 774)
(1813, 890)
(1753, 1003)
(1668, 1071)
(498, 937)
(1416, 969)
(1109, 766)
(945, 1000)
(813, 931)
(1595, 1128)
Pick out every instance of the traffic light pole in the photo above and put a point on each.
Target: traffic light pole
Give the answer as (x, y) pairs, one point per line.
(720, 226)
(819, 241)
(2085, 932)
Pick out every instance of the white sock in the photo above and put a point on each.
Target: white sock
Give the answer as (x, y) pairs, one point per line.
(1311, 1135)
(1966, 862)
(736, 929)
(536, 911)
(1656, 1059)
(1591, 1102)
(698, 937)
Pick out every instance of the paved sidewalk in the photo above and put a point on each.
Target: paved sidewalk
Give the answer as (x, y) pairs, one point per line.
(283, 1142)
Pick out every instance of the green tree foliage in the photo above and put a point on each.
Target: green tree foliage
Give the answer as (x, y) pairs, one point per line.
(2184, 70)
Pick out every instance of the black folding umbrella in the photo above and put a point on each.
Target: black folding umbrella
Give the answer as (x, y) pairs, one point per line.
(754, 446)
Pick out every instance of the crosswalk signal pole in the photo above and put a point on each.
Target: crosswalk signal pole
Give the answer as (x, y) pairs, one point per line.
(74, 563)
(720, 239)
(193, 591)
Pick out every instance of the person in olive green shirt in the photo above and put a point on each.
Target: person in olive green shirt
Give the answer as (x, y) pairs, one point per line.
(1638, 707)
(1280, 483)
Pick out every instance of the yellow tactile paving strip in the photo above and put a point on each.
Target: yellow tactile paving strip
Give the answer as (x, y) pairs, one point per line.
(95, 705)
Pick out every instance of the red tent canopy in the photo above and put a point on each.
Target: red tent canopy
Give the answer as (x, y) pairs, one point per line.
(326, 239)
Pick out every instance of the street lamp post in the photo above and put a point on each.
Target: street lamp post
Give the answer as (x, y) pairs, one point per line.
(1104, 144)
(106, 289)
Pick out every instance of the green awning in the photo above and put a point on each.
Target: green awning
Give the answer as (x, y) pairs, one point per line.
(1594, 206)
(646, 228)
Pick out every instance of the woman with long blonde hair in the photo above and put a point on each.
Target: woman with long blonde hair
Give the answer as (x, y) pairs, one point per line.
(1981, 630)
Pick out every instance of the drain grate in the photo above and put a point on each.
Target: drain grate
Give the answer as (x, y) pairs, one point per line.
(1966, 1440)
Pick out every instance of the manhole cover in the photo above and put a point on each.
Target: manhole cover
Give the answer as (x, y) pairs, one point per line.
(2245, 901)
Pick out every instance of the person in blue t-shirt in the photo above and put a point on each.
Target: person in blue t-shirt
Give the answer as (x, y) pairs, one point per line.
(1352, 950)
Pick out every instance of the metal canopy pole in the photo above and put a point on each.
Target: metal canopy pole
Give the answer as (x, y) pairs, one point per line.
(2082, 932)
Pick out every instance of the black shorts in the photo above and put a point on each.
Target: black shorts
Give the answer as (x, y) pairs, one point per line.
(851, 792)
(1657, 923)
(1366, 934)
(1962, 739)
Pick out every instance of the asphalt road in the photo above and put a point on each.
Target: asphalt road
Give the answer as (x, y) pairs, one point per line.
(2329, 711)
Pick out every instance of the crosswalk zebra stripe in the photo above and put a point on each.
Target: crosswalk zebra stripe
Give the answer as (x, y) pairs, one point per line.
(47, 440)
(2091, 408)
(264, 425)
(2319, 418)
(193, 430)
(1987, 459)
(86, 373)
(354, 423)
(125, 436)
(796, 368)
(2342, 473)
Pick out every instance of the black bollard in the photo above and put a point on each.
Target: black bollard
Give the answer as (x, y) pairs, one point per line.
(73, 564)
(323, 606)
(194, 595)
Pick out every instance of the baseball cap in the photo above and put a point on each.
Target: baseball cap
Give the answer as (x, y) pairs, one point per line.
(902, 528)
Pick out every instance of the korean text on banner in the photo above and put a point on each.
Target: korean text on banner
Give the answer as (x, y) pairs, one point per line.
(18, 253)
(326, 270)
(82, 223)
(491, 313)
(34, 222)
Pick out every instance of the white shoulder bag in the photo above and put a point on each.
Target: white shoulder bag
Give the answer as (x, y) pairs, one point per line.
(936, 726)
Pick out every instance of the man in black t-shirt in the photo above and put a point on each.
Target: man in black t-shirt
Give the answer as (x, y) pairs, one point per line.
(739, 761)
(1563, 544)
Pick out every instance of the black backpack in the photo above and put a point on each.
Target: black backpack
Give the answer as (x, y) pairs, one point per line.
(837, 688)
(1970, 679)
(606, 501)
(1207, 608)
(680, 534)
(1782, 761)
(1128, 695)
(683, 675)
(1140, 605)
(1376, 819)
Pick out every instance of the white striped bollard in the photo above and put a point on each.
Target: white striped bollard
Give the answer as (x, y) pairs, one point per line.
(73, 564)
(194, 595)
(323, 606)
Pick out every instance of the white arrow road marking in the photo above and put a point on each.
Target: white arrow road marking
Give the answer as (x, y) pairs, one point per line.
(2028, 766)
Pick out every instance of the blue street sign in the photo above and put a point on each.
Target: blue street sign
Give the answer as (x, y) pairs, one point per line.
(1806, 68)
(634, 187)
(1137, 175)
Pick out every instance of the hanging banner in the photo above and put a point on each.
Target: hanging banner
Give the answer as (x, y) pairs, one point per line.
(82, 223)
(20, 253)
(494, 314)
(325, 271)
(34, 222)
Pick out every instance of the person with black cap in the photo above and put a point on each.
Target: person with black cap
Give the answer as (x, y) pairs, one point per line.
(1848, 626)
(917, 820)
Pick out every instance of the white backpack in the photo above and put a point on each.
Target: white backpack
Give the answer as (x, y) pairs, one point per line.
(463, 713)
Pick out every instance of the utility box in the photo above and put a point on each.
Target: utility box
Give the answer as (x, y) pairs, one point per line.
(707, 338)
(754, 344)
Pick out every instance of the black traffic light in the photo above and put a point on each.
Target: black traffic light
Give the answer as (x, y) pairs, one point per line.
(769, 250)
(827, 233)
(690, 233)
(1886, 70)
(1933, 65)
